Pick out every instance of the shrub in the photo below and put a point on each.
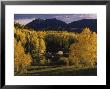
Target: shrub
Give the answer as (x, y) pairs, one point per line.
(63, 61)
(43, 60)
(71, 62)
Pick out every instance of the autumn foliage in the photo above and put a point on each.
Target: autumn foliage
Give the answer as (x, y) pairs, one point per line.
(21, 60)
(84, 50)
(31, 48)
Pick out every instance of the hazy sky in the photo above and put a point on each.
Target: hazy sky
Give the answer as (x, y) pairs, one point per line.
(26, 18)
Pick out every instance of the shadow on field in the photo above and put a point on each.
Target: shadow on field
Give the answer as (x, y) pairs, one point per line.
(59, 71)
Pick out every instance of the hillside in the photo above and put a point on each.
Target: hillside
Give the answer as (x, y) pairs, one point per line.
(46, 24)
(77, 26)
(54, 24)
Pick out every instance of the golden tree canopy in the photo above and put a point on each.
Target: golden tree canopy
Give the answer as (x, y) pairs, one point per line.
(84, 51)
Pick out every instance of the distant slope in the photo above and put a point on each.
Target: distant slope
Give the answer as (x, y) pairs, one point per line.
(48, 23)
(54, 24)
(78, 25)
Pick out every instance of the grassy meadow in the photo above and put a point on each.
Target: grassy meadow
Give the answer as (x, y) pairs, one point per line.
(58, 71)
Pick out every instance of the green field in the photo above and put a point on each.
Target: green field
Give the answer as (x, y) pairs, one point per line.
(59, 71)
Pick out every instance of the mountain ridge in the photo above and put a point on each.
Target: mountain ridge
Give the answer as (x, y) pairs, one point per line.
(55, 24)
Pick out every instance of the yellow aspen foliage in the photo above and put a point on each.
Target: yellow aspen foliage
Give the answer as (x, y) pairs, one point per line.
(42, 46)
(85, 50)
(21, 60)
(34, 43)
